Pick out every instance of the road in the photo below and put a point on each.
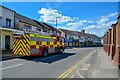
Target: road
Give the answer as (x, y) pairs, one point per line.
(73, 63)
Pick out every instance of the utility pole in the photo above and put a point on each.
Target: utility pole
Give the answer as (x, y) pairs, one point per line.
(56, 21)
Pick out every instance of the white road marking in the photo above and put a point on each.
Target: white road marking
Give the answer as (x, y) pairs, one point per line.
(79, 74)
(11, 66)
(85, 67)
(72, 76)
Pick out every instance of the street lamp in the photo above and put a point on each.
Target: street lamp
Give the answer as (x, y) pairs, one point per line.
(56, 21)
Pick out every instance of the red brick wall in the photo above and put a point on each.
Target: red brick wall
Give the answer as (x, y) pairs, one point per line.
(112, 42)
(116, 57)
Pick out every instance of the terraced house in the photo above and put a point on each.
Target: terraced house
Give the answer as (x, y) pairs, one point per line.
(7, 27)
(79, 39)
(26, 24)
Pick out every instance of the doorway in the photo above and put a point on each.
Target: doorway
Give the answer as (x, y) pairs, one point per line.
(7, 42)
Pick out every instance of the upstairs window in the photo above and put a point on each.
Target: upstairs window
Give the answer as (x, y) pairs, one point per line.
(38, 30)
(27, 28)
(8, 22)
(0, 21)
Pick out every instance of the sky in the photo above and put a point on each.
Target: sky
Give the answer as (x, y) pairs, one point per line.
(94, 17)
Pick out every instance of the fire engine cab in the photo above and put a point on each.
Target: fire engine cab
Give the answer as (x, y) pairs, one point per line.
(36, 44)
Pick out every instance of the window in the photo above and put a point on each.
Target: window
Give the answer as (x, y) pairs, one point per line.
(63, 40)
(0, 21)
(27, 28)
(8, 22)
(38, 30)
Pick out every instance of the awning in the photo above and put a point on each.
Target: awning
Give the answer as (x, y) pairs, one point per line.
(8, 29)
(68, 40)
(81, 40)
(97, 41)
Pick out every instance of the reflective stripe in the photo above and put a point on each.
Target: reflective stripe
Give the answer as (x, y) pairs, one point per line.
(62, 43)
(37, 35)
(37, 46)
(32, 35)
(33, 42)
(54, 37)
(45, 37)
(51, 43)
(43, 43)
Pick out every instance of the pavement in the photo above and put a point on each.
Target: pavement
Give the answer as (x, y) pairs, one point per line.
(73, 63)
(8, 54)
(98, 65)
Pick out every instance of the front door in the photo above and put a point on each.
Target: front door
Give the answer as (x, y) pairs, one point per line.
(7, 42)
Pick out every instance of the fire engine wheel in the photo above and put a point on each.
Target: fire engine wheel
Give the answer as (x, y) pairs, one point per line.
(45, 52)
(61, 50)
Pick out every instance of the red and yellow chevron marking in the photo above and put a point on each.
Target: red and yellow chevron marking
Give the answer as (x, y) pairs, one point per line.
(21, 45)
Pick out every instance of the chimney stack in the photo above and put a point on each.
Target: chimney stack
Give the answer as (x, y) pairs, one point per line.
(83, 31)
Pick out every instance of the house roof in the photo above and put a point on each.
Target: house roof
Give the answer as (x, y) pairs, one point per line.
(92, 35)
(67, 31)
(77, 33)
(26, 20)
(51, 27)
(7, 8)
(41, 24)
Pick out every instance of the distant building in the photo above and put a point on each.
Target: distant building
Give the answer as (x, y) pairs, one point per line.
(79, 39)
(68, 37)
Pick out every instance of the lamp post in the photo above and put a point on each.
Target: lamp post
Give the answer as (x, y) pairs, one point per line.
(56, 21)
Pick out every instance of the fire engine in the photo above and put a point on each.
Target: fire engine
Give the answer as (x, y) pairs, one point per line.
(36, 44)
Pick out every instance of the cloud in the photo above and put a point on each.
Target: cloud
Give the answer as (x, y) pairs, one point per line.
(113, 14)
(78, 24)
(49, 15)
(98, 26)
(102, 25)
(105, 19)
(74, 23)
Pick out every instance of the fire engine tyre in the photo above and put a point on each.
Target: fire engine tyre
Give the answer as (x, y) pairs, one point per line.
(45, 52)
(61, 50)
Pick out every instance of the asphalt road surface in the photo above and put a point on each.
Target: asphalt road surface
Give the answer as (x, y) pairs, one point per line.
(72, 63)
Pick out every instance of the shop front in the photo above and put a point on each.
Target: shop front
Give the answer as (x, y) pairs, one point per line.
(6, 38)
(76, 43)
(68, 42)
(81, 43)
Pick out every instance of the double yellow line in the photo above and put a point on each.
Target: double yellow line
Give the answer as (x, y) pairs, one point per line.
(66, 73)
